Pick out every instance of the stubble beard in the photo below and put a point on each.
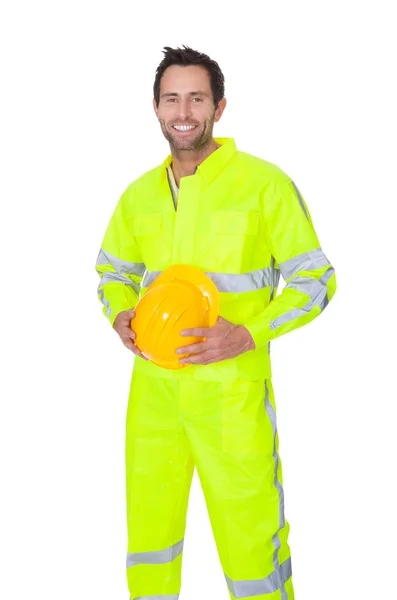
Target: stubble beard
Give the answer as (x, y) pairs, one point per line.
(199, 141)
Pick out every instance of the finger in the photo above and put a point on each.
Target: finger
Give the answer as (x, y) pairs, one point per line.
(126, 333)
(129, 344)
(127, 315)
(138, 353)
(203, 358)
(199, 347)
(135, 350)
(197, 331)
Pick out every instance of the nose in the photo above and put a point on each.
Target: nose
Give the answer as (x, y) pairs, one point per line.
(184, 109)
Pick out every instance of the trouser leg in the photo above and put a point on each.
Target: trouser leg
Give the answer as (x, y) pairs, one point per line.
(159, 469)
(233, 435)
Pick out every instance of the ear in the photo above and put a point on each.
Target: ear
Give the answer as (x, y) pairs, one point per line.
(155, 108)
(220, 109)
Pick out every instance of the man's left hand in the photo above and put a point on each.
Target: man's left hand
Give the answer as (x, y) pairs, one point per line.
(224, 340)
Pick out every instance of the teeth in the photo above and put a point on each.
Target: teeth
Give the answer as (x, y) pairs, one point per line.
(183, 127)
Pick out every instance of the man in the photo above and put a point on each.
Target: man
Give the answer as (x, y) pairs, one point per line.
(242, 221)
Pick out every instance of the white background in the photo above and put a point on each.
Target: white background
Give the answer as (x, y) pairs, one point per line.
(310, 88)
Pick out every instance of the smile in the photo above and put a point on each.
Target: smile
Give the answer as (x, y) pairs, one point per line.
(184, 127)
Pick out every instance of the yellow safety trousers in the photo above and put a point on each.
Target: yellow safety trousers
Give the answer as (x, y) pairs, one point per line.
(228, 431)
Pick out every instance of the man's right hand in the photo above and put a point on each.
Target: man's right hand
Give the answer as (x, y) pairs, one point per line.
(122, 324)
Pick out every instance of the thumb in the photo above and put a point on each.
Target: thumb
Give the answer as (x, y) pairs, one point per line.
(130, 314)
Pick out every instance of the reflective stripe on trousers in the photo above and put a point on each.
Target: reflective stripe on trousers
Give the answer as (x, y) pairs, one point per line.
(227, 430)
(158, 597)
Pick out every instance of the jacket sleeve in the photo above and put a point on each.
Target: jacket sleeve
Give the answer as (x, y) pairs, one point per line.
(119, 263)
(309, 276)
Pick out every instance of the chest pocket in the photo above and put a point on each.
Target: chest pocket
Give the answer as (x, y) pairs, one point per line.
(146, 224)
(230, 240)
(149, 232)
(234, 222)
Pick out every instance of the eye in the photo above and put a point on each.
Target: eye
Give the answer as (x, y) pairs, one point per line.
(198, 99)
(170, 99)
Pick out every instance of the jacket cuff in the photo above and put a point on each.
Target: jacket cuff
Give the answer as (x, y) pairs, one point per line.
(116, 298)
(259, 330)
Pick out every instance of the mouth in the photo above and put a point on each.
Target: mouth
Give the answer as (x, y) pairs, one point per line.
(184, 130)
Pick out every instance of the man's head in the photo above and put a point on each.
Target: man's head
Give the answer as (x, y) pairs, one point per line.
(188, 91)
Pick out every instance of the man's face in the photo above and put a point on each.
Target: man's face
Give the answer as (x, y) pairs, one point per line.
(186, 99)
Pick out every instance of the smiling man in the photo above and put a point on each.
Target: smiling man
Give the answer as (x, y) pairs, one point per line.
(242, 221)
(186, 112)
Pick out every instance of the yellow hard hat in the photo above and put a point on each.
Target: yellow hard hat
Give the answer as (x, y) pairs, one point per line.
(181, 297)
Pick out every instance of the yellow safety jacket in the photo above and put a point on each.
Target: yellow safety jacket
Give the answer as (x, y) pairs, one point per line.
(242, 221)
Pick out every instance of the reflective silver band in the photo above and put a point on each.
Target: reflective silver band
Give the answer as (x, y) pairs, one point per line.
(232, 282)
(122, 267)
(275, 281)
(272, 277)
(300, 200)
(282, 572)
(105, 302)
(257, 587)
(317, 292)
(308, 261)
(276, 540)
(109, 277)
(276, 278)
(327, 275)
(308, 285)
(156, 557)
(228, 282)
(160, 597)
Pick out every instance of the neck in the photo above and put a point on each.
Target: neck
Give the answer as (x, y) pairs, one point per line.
(184, 162)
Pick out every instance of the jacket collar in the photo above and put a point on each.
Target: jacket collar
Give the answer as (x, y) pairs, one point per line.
(215, 162)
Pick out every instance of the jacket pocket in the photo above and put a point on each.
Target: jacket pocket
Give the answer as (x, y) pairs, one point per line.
(146, 224)
(226, 240)
(151, 237)
(234, 222)
(245, 430)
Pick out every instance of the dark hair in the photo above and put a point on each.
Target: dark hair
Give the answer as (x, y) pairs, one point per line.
(177, 56)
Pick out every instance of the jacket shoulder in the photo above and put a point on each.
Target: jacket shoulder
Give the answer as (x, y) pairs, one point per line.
(261, 167)
(147, 178)
(142, 184)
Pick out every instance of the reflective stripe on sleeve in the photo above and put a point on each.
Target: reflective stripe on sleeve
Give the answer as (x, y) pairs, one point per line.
(327, 275)
(105, 302)
(308, 261)
(109, 277)
(309, 286)
(122, 267)
(300, 200)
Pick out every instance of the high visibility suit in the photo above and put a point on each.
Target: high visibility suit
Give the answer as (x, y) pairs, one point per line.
(242, 221)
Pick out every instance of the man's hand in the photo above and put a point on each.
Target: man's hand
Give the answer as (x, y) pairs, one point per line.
(224, 340)
(122, 324)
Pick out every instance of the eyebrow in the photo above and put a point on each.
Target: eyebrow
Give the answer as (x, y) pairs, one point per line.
(199, 93)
